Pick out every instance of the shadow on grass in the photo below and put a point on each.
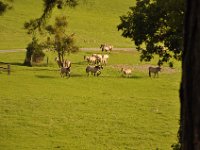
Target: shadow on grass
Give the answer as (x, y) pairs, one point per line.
(52, 77)
(124, 77)
(22, 64)
(45, 77)
(12, 63)
(90, 76)
(134, 77)
(78, 75)
(46, 69)
(16, 64)
(112, 77)
(3, 63)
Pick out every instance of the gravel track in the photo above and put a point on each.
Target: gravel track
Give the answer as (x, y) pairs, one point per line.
(83, 49)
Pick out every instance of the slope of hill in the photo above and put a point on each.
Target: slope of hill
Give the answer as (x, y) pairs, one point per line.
(94, 22)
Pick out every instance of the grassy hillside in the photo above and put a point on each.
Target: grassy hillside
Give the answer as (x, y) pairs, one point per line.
(41, 110)
(12, 34)
(94, 22)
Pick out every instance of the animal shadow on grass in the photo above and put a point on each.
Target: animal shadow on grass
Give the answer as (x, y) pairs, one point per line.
(45, 69)
(12, 63)
(77, 75)
(121, 76)
(131, 77)
(45, 77)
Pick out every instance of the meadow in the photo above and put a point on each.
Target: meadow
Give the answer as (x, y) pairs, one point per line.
(93, 21)
(41, 110)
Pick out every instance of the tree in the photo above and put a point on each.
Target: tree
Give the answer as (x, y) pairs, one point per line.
(156, 27)
(190, 87)
(4, 6)
(34, 49)
(61, 43)
(49, 5)
(34, 52)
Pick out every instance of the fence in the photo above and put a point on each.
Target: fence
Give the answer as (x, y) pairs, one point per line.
(5, 67)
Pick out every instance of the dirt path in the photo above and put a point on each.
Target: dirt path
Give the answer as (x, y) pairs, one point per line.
(83, 49)
(12, 50)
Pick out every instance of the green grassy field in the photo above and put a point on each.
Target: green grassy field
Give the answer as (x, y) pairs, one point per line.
(93, 22)
(41, 110)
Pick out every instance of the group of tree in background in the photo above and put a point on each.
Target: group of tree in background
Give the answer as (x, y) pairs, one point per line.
(156, 27)
(57, 40)
(60, 42)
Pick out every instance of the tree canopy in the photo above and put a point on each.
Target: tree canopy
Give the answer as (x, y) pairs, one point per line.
(60, 42)
(49, 5)
(156, 27)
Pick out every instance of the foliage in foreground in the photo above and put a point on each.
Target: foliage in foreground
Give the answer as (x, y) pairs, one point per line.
(156, 27)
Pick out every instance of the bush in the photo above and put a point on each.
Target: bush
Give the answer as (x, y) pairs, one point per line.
(38, 56)
(176, 146)
(34, 53)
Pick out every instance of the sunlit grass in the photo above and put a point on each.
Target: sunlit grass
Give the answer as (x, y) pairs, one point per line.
(41, 110)
(93, 22)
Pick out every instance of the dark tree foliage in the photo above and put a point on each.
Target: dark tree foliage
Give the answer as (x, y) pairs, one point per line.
(34, 52)
(4, 6)
(156, 27)
(49, 5)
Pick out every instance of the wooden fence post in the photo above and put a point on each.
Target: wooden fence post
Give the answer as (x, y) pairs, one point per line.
(8, 69)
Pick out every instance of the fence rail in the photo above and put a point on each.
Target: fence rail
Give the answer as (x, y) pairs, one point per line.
(5, 67)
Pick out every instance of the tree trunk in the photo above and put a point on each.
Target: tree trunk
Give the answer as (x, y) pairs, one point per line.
(27, 61)
(60, 63)
(190, 86)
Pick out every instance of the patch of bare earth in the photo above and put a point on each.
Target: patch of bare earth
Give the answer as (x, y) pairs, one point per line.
(144, 68)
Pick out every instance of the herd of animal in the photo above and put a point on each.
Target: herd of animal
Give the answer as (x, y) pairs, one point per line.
(96, 62)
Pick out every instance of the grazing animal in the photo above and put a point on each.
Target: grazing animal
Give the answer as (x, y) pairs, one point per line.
(67, 64)
(154, 70)
(65, 71)
(90, 59)
(96, 70)
(126, 72)
(98, 58)
(105, 59)
(105, 47)
(105, 56)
